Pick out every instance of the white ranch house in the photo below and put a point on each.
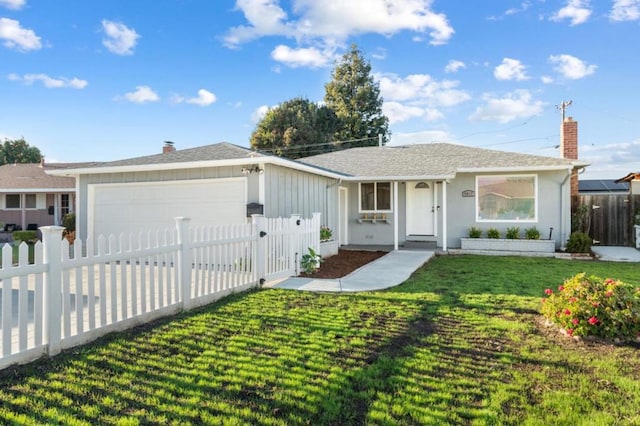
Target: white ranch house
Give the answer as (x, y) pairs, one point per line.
(367, 196)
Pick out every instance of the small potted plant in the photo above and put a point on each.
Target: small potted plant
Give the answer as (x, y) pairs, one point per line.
(328, 246)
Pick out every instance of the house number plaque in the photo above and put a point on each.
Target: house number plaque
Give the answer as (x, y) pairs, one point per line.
(468, 193)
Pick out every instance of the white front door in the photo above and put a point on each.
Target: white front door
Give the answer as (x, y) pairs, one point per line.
(420, 211)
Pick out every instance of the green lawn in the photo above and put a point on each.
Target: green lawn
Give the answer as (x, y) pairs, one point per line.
(456, 344)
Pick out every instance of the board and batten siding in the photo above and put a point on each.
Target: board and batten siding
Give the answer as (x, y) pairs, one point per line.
(289, 191)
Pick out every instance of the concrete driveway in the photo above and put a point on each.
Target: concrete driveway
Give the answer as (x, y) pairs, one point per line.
(616, 254)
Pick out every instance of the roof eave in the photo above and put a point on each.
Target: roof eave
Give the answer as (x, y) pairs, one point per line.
(518, 169)
(194, 165)
(399, 178)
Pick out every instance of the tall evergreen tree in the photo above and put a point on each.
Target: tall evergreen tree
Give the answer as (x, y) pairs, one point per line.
(296, 128)
(18, 151)
(355, 97)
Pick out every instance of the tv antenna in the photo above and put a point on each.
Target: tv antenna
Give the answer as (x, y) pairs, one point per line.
(563, 107)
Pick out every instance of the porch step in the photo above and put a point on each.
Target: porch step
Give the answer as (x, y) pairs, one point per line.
(425, 245)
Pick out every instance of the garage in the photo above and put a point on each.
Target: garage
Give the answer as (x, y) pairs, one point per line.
(135, 207)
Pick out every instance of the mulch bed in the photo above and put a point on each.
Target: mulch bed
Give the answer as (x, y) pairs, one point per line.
(343, 263)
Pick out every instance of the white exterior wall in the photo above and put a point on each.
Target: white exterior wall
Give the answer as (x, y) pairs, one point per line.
(289, 191)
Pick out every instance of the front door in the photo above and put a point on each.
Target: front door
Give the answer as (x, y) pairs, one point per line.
(420, 211)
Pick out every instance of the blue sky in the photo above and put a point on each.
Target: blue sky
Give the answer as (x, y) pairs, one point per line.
(103, 80)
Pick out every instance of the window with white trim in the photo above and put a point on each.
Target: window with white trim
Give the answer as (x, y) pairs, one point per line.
(507, 198)
(12, 201)
(375, 197)
(30, 201)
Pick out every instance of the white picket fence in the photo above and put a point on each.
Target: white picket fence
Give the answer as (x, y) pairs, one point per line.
(72, 295)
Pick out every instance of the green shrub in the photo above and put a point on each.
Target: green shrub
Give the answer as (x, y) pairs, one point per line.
(513, 233)
(493, 233)
(69, 222)
(592, 306)
(579, 242)
(28, 236)
(475, 232)
(532, 233)
(310, 262)
(325, 233)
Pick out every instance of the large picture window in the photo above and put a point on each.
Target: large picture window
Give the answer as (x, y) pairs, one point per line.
(507, 198)
(375, 197)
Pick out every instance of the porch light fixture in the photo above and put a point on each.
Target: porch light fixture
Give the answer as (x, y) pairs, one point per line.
(253, 169)
(422, 185)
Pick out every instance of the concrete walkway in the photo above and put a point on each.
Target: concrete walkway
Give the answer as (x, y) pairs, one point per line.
(388, 271)
(616, 254)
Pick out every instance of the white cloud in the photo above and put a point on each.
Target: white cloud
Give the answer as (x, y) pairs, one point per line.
(514, 105)
(302, 57)
(612, 160)
(259, 113)
(50, 82)
(571, 67)
(454, 66)
(625, 10)
(380, 53)
(119, 38)
(397, 112)
(142, 94)
(16, 37)
(204, 98)
(546, 79)
(426, 136)
(510, 69)
(333, 21)
(421, 88)
(577, 11)
(13, 4)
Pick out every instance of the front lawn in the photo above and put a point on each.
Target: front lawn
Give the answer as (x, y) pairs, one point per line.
(458, 343)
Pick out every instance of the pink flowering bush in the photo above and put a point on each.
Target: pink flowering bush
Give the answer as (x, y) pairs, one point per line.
(592, 306)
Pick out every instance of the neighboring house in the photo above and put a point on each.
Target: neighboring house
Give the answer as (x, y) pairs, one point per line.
(633, 180)
(220, 183)
(602, 187)
(30, 198)
(374, 195)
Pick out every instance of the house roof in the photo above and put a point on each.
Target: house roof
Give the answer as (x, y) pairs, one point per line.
(219, 154)
(32, 177)
(435, 160)
(629, 177)
(587, 186)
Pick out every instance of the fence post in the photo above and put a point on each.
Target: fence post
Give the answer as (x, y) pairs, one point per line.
(315, 237)
(52, 257)
(296, 242)
(184, 260)
(259, 233)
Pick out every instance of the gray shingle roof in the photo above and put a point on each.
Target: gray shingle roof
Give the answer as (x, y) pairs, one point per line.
(436, 159)
(219, 151)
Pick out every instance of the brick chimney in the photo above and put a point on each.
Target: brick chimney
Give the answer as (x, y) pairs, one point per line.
(168, 147)
(569, 148)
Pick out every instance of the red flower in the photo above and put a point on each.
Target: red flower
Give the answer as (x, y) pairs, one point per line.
(567, 312)
(609, 281)
(609, 293)
(548, 292)
(544, 300)
(593, 320)
(569, 331)
(595, 304)
(575, 321)
(573, 299)
(561, 288)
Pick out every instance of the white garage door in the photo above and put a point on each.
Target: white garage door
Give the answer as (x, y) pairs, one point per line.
(135, 207)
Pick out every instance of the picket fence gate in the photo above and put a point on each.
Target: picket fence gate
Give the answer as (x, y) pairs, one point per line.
(71, 295)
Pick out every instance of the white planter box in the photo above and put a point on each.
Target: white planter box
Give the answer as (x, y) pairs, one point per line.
(501, 244)
(329, 248)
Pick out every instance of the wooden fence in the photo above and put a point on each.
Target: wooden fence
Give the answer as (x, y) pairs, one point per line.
(609, 219)
(72, 295)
